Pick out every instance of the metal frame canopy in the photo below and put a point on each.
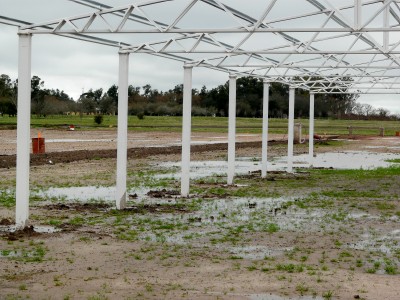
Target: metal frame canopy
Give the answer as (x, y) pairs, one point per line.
(323, 43)
(323, 46)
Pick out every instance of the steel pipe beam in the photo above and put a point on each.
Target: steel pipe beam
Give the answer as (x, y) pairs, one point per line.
(23, 130)
(290, 130)
(122, 142)
(264, 150)
(311, 130)
(232, 129)
(186, 130)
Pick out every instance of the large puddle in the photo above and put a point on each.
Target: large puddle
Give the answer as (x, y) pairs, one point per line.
(243, 165)
(83, 193)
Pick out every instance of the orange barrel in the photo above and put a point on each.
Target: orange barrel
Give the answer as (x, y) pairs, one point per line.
(38, 145)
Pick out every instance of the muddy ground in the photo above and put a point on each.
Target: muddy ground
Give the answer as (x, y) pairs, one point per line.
(291, 236)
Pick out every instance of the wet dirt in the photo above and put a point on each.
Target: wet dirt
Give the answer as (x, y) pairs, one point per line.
(9, 161)
(207, 246)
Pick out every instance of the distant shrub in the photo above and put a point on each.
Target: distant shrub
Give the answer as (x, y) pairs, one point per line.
(140, 115)
(98, 119)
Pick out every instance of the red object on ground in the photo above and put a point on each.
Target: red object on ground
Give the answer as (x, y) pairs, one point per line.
(71, 127)
(397, 133)
(38, 145)
(316, 136)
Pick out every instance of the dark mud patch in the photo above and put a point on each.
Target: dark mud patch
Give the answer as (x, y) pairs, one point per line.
(91, 207)
(163, 193)
(275, 175)
(158, 208)
(27, 232)
(9, 161)
(6, 222)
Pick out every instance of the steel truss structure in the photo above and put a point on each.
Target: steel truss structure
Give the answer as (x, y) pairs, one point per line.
(323, 46)
(358, 39)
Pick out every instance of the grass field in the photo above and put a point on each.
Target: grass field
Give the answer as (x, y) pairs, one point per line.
(210, 124)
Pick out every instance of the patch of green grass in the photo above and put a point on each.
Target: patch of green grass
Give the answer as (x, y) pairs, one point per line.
(290, 268)
(327, 295)
(270, 228)
(384, 205)
(77, 221)
(396, 160)
(7, 198)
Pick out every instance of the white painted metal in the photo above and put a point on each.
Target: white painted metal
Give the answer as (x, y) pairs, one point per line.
(311, 130)
(122, 144)
(259, 62)
(232, 129)
(23, 130)
(186, 130)
(290, 130)
(357, 14)
(264, 150)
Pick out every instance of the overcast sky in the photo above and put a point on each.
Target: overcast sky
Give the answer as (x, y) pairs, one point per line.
(75, 66)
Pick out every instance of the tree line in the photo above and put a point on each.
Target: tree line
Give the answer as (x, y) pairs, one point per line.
(146, 100)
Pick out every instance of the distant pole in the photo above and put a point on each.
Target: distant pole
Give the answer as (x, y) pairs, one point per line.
(23, 130)
(290, 130)
(232, 129)
(186, 130)
(122, 144)
(264, 151)
(311, 130)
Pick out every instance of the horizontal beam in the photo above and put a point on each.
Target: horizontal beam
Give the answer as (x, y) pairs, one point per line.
(247, 52)
(212, 30)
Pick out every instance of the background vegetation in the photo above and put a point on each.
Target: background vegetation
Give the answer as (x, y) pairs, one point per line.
(146, 101)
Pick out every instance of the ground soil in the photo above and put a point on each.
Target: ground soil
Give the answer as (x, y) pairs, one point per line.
(90, 261)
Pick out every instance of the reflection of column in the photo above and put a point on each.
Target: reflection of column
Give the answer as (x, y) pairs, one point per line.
(232, 128)
(290, 130)
(264, 151)
(186, 130)
(23, 130)
(122, 145)
(311, 130)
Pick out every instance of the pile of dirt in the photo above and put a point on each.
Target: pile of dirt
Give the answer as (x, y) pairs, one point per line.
(163, 194)
(9, 161)
(28, 231)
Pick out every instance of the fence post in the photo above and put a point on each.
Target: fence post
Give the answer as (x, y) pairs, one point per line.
(350, 130)
(381, 131)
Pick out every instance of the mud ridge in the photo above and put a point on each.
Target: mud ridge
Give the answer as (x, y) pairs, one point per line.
(9, 161)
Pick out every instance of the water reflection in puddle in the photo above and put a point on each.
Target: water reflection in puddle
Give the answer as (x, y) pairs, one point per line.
(83, 193)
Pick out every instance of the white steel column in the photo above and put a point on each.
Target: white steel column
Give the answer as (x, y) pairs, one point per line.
(23, 130)
(264, 151)
(232, 129)
(186, 130)
(290, 130)
(122, 144)
(311, 130)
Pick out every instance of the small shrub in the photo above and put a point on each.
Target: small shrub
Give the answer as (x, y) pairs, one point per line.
(98, 119)
(140, 115)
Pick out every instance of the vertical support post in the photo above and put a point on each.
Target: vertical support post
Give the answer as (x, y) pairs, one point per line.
(264, 151)
(122, 144)
(232, 129)
(357, 14)
(386, 24)
(290, 130)
(311, 130)
(23, 130)
(186, 130)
